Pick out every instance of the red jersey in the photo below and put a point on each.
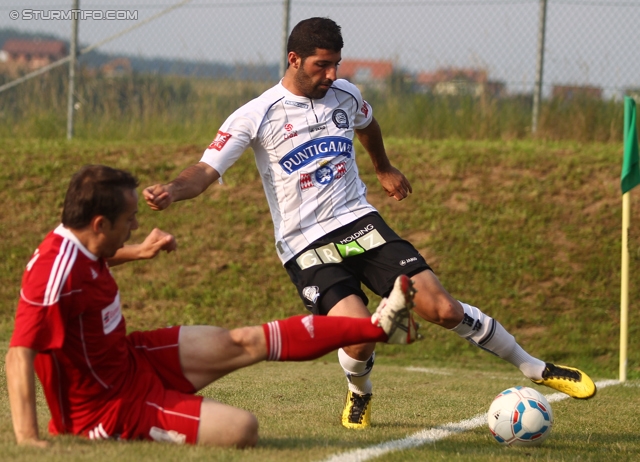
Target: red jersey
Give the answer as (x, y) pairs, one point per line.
(69, 311)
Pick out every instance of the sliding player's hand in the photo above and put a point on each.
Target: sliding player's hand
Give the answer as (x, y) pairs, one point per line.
(157, 241)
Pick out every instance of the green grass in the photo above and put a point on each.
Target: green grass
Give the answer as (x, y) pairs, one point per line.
(298, 407)
(528, 231)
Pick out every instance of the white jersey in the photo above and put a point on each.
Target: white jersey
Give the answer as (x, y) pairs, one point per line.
(304, 152)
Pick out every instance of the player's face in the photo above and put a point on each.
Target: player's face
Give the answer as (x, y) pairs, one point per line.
(316, 73)
(119, 232)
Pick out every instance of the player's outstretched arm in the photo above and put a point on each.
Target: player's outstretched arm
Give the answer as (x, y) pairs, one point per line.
(22, 395)
(191, 182)
(154, 243)
(392, 180)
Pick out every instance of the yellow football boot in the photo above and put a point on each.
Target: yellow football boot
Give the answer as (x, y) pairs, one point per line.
(357, 411)
(569, 380)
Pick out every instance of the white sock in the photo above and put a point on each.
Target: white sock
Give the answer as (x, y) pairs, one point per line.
(357, 372)
(488, 334)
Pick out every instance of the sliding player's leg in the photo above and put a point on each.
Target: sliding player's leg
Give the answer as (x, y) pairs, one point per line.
(208, 353)
(226, 426)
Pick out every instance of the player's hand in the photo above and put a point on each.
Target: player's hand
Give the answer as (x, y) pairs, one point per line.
(156, 241)
(158, 196)
(395, 183)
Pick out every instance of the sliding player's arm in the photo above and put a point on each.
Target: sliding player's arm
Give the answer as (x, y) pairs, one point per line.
(154, 243)
(21, 385)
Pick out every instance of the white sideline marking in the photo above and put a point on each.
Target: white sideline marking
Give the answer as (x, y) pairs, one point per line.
(431, 435)
(429, 370)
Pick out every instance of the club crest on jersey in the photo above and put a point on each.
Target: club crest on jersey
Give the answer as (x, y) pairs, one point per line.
(220, 141)
(314, 150)
(340, 118)
(323, 176)
(311, 293)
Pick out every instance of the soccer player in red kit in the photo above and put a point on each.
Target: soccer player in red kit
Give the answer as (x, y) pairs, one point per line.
(100, 382)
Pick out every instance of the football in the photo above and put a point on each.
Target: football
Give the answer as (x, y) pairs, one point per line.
(520, 416)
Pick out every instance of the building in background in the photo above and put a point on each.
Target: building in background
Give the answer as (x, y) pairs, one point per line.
(450, 81)
(117, 67)
(368, 73)
(572, 92)
(19, 55)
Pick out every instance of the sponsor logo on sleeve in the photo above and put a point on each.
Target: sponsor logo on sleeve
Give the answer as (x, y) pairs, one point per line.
(340, 118)
(365, 108)
(220, 140)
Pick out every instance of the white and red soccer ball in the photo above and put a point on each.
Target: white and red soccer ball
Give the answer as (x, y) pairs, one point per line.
(520, 416)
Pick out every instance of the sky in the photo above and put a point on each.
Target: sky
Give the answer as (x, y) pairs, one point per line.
(587, 42)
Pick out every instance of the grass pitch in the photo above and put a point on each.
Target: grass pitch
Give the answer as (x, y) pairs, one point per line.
(528, 231)
(298, 406)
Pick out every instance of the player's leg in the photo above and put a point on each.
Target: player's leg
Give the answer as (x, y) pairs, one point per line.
(357, 364)
(226, 426)
(436, 305)
(334, 290)
(357, 360)
(171, 416)
(208, 353)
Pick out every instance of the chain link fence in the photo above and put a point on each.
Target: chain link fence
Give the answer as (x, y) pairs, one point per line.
(442, 68)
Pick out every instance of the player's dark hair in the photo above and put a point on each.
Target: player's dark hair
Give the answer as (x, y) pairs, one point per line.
(313, 33)
(96, 190)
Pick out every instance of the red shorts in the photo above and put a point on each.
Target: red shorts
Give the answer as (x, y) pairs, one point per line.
(160, 405)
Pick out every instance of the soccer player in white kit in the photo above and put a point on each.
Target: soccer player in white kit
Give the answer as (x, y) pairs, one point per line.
(329, 238)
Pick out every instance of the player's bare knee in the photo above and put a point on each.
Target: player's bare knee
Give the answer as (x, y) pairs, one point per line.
(361, 351)
(251, 339)
(247, 434)
(439, 309)
(450, 313)
(231, 428)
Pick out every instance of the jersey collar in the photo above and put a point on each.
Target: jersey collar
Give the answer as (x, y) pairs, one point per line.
(67, 234)
(291, 96)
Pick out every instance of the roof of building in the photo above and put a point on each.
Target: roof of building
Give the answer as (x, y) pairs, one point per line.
(449, 74)
(377, 70)
(35, 47)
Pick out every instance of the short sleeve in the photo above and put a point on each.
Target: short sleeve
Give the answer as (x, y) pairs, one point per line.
(39, 322)
(233, 138)
(38, 327)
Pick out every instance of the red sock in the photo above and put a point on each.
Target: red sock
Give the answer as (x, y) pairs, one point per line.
(302, 338)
